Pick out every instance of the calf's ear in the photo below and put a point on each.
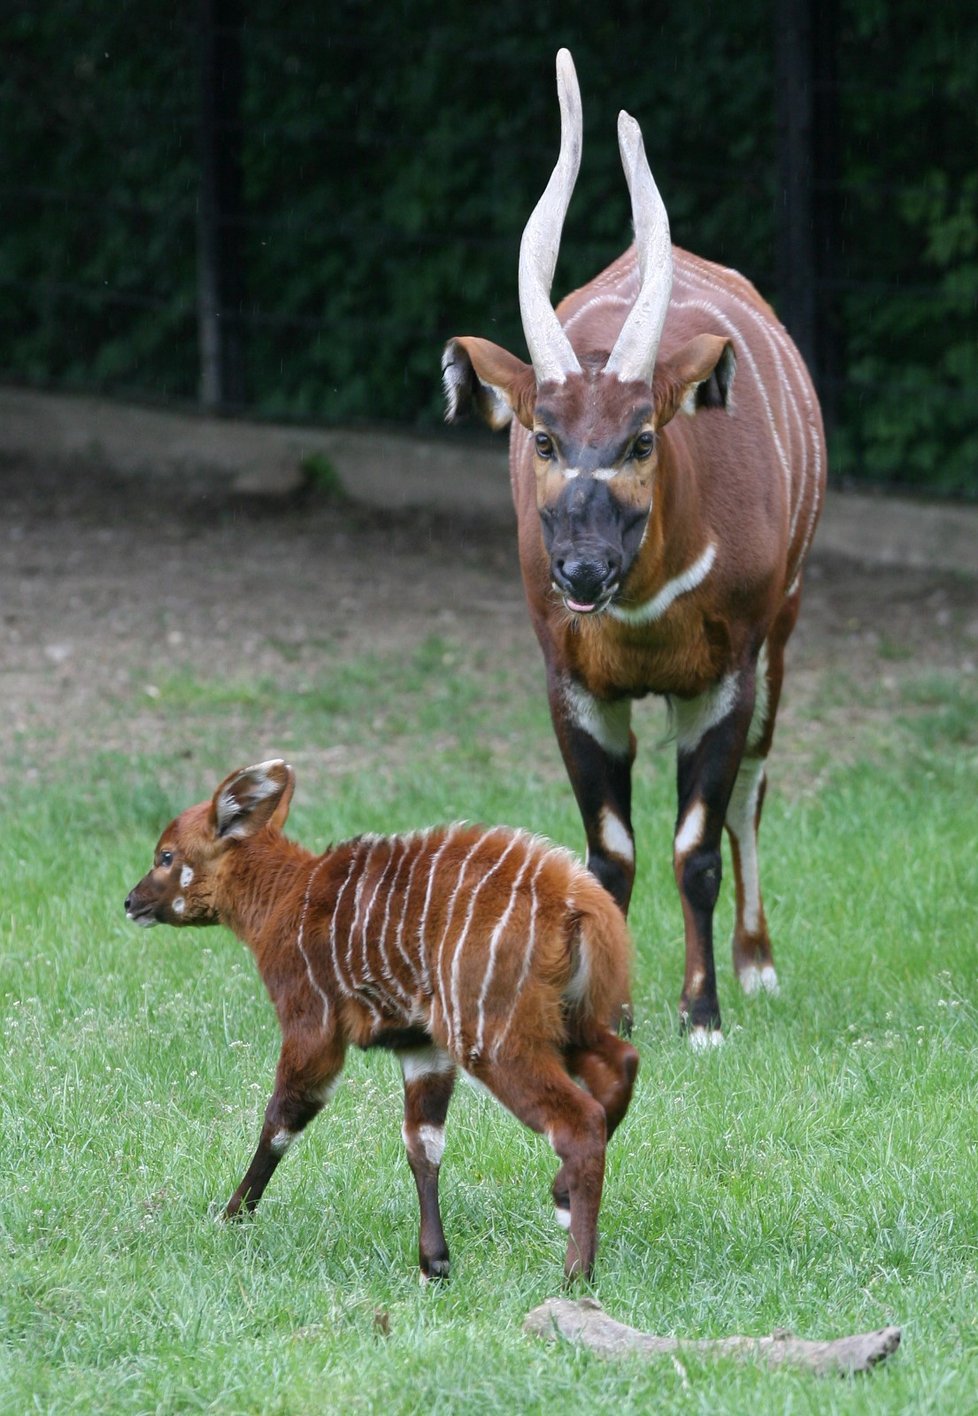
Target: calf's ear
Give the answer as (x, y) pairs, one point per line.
(252, 798)
(477, 373)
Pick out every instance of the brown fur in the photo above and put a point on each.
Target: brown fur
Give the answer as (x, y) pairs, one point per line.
(485, 949)
(745, 476)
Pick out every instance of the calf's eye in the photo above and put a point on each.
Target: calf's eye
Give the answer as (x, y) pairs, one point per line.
(166, 858)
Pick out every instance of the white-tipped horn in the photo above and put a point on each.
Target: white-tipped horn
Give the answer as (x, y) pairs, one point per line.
(550, 349)
(633, 356)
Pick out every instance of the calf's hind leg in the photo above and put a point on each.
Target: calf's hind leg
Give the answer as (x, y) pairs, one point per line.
(607, 1066)
(535, 1087)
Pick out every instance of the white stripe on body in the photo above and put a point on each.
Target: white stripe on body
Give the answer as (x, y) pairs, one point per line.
(527, 958)
(422, 923)
(442, 988)
(301, 947)
(475, 1051)
(809, 439)
(411, 963)
(355, 927)
(341, 983)
(456, 1020)
(404, 843)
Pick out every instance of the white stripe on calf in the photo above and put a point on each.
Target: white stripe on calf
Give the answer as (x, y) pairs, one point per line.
(527, 957)
(456, 1025)
(299, 944)
(497, 935)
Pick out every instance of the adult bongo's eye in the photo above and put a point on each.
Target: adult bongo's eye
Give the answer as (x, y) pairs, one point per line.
(545, 447)
(643, 445)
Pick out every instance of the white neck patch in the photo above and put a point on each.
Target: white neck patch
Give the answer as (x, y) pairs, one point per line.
(681, 584)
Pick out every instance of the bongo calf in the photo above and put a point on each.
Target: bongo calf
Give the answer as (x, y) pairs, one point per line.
(461, 946)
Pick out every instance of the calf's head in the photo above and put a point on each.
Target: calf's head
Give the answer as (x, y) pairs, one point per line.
(184, 885)
(595, 417)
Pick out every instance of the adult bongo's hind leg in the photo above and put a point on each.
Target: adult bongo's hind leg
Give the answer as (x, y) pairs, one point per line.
(536, 1088)
(751, 945)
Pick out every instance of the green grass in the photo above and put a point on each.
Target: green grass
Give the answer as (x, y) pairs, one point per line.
(818, 1172)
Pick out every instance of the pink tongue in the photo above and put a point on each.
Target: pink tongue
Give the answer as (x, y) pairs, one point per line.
(579, 609)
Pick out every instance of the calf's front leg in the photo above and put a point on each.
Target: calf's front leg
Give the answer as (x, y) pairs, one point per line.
(302, 1087)
(429, 1079)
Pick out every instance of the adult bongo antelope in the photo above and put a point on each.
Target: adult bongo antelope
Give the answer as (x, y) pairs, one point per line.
(660, 553)
(488, 950)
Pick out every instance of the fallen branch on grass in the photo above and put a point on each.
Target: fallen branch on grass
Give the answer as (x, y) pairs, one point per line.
(585, 1322)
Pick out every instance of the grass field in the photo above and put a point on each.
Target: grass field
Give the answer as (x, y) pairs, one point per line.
(819, 1172)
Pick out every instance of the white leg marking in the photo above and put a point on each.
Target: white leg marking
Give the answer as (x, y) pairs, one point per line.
(758, 720)
(418, 1062)
(607, 723)
(656, 607)
(563, 1216)
(281, 1141)
(690, 831)
(432, 1140)
(741, 818)
(695, 717)
(615, 836)
(769, 979)
(702, 1039)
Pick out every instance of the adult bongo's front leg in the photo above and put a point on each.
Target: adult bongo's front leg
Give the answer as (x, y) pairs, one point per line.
(598, 748)
(711, 732)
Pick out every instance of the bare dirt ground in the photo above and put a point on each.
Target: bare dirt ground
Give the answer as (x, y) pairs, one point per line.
(108, 583)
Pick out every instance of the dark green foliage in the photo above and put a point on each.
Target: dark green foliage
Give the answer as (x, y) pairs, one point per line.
(393, 153)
